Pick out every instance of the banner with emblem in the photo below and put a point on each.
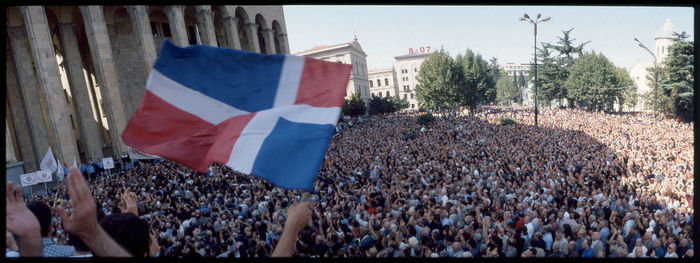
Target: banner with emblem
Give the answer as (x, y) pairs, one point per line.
(108, 163)
(28, 179)
(49, 162)
(43, 176)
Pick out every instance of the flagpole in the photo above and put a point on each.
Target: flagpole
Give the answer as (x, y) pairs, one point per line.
(46, 189)
(31, 193)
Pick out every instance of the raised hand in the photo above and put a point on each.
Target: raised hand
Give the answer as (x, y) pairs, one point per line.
(21, 221)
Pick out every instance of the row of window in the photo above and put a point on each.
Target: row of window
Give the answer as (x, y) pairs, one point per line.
(379, 83)
(379, 94)
(404, 71)
(163, 30)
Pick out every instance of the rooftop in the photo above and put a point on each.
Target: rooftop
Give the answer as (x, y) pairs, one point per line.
(414, 55)
(667, 30)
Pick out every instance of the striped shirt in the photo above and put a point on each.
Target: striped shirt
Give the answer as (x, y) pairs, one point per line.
(51, 249)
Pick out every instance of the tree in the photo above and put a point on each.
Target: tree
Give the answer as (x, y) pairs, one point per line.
(627, 95)
(479, 84)
(355, 106)
(593, 82)
(379, 105)
(399, 104)
(522, 85)
(506, 89)
(679, 85)
(550, 85)
(438, 80)
(555, 70)
(496, 70)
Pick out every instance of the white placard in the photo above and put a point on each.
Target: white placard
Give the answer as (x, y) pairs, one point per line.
(43, 176)
(28, 179)
(108, 163)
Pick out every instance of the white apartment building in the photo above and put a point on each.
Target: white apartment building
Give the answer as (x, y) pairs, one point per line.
(382, 82)
(406, 69)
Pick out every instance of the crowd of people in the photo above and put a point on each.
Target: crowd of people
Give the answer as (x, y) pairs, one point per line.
(580, 184)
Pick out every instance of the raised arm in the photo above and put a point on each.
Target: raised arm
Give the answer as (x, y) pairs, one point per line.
(21, 221)
(83, 220)
(298, 216)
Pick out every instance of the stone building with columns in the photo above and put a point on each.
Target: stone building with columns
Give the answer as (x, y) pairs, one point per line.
(75, 74)
(347, 53)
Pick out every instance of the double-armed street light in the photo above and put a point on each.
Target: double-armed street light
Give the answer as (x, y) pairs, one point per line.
(656, 72)
(535, 22)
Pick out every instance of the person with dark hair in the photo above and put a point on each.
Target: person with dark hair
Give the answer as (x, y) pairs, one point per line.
(50, 247)
(81, 249)
(129, 231)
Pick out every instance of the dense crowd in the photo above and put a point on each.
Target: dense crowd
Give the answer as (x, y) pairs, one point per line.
(579, 185)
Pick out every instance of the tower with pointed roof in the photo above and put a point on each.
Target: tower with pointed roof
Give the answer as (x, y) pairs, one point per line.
(664, 39)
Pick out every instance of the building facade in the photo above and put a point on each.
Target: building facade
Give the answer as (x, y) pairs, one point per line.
(382, 82)
(75, 74)
(662, 43)
(346, 53)
(513, 70)
(406, 68)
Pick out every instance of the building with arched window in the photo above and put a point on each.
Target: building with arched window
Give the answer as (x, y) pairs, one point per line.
(407, 79)
(75, 74)
(348, 53)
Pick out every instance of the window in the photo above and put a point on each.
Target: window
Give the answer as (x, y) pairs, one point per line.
(415, 69)
(380, 94)
(379, 83)
(413, 106)
(386, 81)
(372, 94)
(411, 95)
(405, 96)
(154, 29)
(166, 30)
(371, 83)
(388, 94)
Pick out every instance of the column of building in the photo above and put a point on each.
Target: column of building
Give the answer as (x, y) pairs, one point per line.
(60, 133)
(205, 25)
(176, 19)
(101, 53)
(231, 27)
(87, 124)
(20, 79)
(251, 30)
(141, 24)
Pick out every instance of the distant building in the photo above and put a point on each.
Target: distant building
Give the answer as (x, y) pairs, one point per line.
(347, 53)
(382, 82)
(663, 41)
(513, 70)
(406, 69)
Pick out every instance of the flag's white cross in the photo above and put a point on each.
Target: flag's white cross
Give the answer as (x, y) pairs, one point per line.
(261, 125)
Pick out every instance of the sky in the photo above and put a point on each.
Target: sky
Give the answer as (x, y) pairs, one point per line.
(492, 31)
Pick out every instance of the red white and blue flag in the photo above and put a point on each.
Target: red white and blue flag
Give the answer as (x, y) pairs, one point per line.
(270, 116)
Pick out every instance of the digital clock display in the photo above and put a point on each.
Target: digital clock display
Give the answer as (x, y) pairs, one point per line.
(425, 49)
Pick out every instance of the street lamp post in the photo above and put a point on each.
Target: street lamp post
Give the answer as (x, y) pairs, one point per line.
(535, 22)
(656, 73)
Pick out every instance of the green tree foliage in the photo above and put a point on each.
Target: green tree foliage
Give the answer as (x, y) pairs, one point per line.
(507, 90)
(379, 105)
(550, 85)
(425, 119)
(522, 85)
(593, 82)
(438, 80)
(681, 76)
(627, 95)
(355, 106)
(479, 81)
(556, 70)
(399, 104)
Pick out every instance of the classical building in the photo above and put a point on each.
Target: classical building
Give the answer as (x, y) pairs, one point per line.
(406, 68)
(347, 53)
(662, 43)
(382, 82)
(75, 74)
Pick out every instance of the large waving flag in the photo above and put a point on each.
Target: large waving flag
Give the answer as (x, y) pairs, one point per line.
(270, 116)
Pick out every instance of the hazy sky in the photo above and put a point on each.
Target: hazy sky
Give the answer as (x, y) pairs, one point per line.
(492, 31)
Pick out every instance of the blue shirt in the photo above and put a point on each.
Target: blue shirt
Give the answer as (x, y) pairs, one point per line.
(99, 164)
(51, 249)
(91, 169)
(588, 253)
(660, 252)
(83, 167)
